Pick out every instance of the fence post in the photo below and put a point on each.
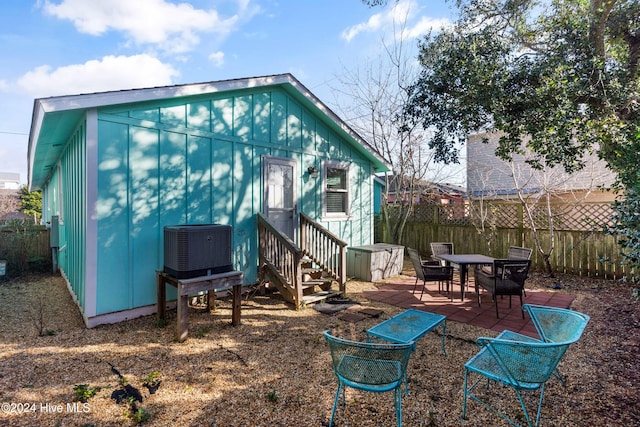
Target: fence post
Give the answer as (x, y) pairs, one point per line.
(436, 223)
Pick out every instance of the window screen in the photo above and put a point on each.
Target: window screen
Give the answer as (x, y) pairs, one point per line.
(336, 195)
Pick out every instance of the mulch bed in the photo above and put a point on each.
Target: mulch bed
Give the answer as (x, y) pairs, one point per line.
(275, 370)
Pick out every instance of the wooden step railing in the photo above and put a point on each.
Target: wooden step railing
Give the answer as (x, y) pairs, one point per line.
(325, 249)
(282, 258)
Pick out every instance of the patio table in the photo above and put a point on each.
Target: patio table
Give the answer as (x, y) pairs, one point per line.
(408, 326)
(464, 261)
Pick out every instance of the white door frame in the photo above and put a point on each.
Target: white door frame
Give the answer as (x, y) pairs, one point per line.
(292, 208)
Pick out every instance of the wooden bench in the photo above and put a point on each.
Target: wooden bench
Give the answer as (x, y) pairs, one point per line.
(212, 283)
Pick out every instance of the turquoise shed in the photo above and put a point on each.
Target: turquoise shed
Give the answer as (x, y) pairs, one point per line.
(116, 167)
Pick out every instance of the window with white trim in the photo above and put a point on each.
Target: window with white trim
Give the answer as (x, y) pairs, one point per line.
(335, 178)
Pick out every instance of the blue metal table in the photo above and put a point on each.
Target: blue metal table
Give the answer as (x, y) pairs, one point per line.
(410, 325)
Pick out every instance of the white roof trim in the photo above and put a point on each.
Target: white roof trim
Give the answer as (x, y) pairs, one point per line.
(84, 101)
(43, 106)
(99, 99)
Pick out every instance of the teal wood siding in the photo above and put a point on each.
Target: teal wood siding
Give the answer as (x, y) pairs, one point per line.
(114, 209)
(198, 160)
(65, 196)
(51, 197)
(143, 224)
(73, 172)
(377, 197)
(51, 205)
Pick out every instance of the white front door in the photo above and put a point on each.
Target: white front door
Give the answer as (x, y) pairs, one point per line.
(280, 196)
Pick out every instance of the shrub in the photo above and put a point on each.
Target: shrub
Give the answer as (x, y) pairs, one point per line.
(22, 246)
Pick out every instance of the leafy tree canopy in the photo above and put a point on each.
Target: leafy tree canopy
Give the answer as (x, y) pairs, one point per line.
(31, 202)
(564, 72)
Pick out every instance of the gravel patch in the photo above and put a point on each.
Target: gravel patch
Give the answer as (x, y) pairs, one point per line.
(275, 370)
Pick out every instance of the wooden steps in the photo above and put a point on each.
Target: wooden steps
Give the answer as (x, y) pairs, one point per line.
(312, 278)
(319, 296)
(297, 271)
(309, 294)
(312, 281)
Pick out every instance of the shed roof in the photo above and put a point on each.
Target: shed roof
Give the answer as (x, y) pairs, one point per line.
(54, 118)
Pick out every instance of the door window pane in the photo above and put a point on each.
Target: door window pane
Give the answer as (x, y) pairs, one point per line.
(281, 186)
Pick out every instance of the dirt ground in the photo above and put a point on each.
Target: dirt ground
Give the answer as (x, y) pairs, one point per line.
(274, 369)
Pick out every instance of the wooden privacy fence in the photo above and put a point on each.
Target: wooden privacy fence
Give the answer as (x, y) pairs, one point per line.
(581, 247)
(25, 248)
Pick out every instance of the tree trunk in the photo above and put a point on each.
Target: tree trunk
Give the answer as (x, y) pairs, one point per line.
(547, 266)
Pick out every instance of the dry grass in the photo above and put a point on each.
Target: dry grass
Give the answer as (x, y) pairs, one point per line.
(274, 369)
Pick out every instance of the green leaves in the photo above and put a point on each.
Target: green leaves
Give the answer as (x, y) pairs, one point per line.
(512, 67)
(562, 76)
(31, 202)
(462, 77)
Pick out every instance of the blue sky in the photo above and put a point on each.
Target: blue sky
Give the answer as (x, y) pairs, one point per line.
(64, 47)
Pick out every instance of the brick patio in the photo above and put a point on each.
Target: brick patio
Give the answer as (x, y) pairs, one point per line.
(398, 292)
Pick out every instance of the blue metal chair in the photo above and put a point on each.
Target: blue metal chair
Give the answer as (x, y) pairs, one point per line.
(523, 366)
(370, 367)
(553, 325)
(557, 324)
(522, 362)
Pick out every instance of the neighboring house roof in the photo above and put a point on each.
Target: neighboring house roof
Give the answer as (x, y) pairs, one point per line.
(450, 189)
(54, 118)
(488, 175)
(426, 187)
(9, 180)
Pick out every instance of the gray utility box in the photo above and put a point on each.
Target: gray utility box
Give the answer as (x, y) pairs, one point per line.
(375, 262)
(197, 250)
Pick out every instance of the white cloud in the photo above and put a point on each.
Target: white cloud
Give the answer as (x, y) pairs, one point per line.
(371, 25)
(404, 12)
(109, 73)
(3, 84)
(217, 58)
(425, 25)
(173, 27)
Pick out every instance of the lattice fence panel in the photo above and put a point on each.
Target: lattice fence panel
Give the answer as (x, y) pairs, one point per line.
(584, 216)
(454, 214)
(580, 245)
(424, 213)
(503, 215)
(580, 217)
